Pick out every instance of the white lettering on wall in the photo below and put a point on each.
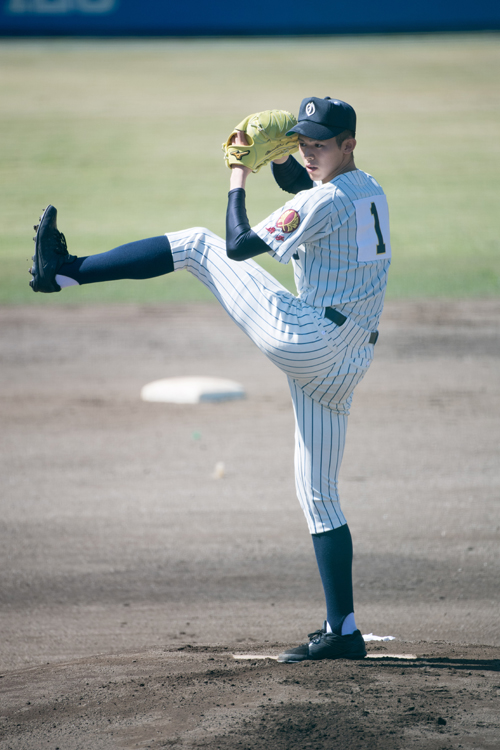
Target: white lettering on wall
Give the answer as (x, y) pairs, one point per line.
(61, 7)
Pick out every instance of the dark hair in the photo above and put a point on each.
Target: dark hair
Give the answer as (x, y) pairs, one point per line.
(343, 136)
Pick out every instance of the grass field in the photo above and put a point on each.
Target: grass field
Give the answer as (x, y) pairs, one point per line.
(124, 138)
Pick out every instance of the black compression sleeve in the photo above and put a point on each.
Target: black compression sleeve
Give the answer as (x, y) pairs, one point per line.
(291, 176)
(241, 242)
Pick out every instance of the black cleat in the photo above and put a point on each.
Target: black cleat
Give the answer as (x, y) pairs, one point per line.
(323, 645)
(51, 252)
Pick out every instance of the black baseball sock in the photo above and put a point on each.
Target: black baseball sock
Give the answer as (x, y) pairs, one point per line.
(334, 556)
(143, 259)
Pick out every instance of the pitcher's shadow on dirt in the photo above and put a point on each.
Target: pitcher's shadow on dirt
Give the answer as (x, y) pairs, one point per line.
(482, 665)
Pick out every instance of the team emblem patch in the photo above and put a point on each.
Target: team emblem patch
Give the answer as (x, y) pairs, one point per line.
(310, 109)
(288, 221)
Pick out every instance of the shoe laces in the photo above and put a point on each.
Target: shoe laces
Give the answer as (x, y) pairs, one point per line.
(58, 242)
(316, 636)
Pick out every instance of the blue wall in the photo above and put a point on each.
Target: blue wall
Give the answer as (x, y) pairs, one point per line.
(258, 17)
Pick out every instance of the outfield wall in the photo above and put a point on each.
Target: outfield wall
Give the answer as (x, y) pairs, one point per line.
(213, 17)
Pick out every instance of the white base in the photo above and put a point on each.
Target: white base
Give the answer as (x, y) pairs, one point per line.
(191, 390)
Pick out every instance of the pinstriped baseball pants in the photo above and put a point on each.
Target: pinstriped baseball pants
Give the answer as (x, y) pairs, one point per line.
(323, 362)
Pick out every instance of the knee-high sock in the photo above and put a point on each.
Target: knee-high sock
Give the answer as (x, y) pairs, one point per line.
(135, 260)
(334, 556)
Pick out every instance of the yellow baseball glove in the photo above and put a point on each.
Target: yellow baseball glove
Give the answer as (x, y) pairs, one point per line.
(267, 139)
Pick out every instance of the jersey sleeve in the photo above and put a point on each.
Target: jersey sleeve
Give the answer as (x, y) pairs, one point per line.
(310, 215)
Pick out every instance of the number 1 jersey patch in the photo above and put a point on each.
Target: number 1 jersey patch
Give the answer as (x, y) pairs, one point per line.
(372, 234)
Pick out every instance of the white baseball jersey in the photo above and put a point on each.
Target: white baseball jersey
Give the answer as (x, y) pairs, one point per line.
(340, 233)
(337, 236)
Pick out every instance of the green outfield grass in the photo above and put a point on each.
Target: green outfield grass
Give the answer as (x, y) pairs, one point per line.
(124, 138)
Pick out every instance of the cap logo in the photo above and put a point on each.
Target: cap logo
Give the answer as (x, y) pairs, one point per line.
(310, 109)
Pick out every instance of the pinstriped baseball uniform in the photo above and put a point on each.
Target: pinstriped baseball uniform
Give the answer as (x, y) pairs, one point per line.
(337, 236)
(328, 242)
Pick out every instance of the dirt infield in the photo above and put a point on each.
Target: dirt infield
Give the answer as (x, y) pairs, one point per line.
(130, 577)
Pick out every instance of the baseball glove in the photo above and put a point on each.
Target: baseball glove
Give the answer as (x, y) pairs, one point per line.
(267, 139)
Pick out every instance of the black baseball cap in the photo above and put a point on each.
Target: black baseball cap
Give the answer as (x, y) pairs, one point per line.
(321, 119)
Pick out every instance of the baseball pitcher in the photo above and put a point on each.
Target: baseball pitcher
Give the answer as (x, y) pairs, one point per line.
(335, 232)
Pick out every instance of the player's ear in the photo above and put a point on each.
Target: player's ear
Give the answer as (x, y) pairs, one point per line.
(348, 145)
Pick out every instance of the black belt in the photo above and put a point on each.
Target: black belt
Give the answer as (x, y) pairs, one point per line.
(336, 317)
